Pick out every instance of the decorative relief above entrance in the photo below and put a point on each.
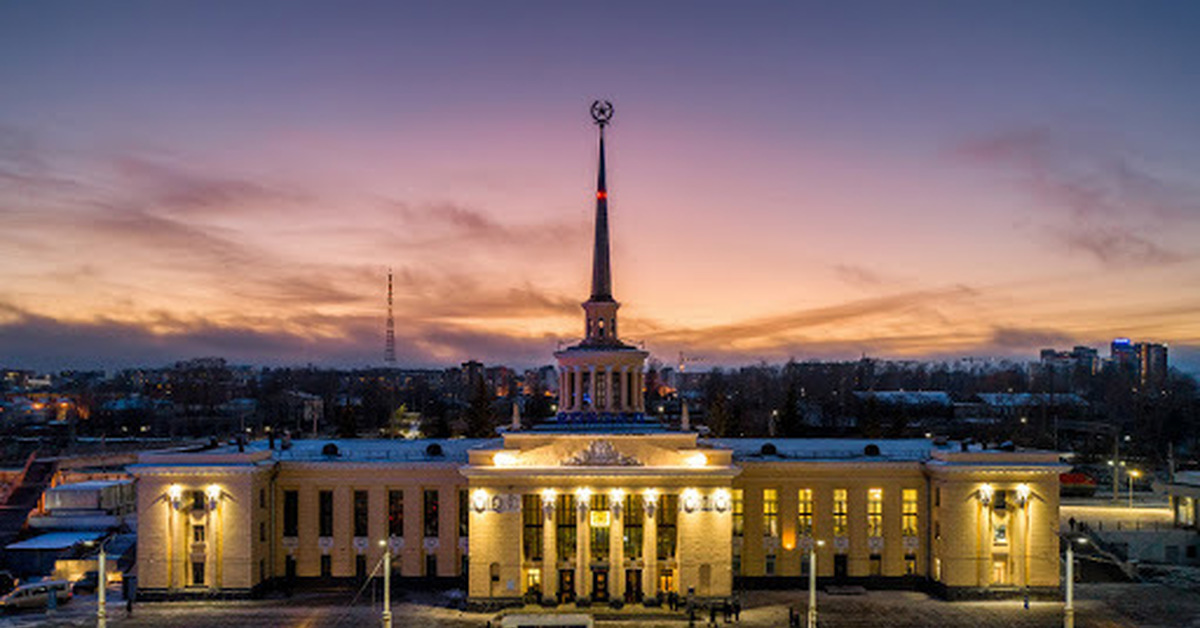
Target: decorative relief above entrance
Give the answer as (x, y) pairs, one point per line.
(601, 453)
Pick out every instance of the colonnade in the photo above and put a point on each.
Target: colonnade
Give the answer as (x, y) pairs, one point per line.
(607, 389)
(616, 564)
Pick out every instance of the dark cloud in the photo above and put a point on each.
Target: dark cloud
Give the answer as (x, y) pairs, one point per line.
(907, 306)
(1104, 202)
(176, 189)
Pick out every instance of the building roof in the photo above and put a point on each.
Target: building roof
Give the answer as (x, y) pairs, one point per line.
(56, 540)
(907, 397)
(825, 449)
(454, 450)
(90, 485)
(1031, 399)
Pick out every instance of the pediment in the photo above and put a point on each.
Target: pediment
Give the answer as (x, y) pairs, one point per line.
(600, 453)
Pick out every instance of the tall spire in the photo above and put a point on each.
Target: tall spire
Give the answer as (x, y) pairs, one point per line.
(602, 112)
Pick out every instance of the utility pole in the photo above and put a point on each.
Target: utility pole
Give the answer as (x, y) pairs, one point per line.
(101, 585)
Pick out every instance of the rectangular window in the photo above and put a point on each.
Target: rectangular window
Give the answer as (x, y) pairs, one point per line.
(908, 509)
(262, 498)
(1000, 501)
(262, 532)
(325, 515)
(464, 514)
(840, 512)
(326, 566)
(291, 513)
(804, 513)
(600, 519)
(910, 564)
(875, 512)
(876, 565)
(360, 567)
(289, 567)
(531, 533)
(739, 512)
(937, 497)
(361, 510)
(431, 565)
(197, 534)
(396, 513)
(431, 513)
(667, 515)
(1000, 534)
(564, 521)
(198, 501)
(769, 566)
(770, 512)
(633, 529)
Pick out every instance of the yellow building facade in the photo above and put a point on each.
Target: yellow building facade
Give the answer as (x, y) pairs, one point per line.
(600, 502)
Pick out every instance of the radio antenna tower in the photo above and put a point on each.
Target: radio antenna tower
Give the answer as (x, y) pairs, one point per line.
(389, 349)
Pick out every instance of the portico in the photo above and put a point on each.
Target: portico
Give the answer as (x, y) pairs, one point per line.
(617, 517)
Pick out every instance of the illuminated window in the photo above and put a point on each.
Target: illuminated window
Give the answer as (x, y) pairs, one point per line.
(909, 512)
(599, 528)
(531, 533)
(533, 581)
(840, 510)
(770, 512)
(197, 534)
(910, 564)
(804, 512)
(739, 513)
(875, 512)
(1000, 534)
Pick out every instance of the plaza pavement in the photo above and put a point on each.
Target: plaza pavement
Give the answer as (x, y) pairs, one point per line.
(1098, 606)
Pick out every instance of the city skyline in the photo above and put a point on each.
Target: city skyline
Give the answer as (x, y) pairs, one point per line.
(919, 181)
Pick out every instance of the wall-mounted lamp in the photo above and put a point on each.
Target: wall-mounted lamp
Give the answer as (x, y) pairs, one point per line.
(583, 499)
(1022, 495)
(985, 494)
(504, 459)
(721, 500)
(697, 460)
(479, 500)
(213, 493)
(175, 494)
(690, 500)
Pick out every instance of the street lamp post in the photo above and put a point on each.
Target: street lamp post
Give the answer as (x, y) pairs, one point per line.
(1069, 607)
(387, 585)
(101, 585)
(812, 584)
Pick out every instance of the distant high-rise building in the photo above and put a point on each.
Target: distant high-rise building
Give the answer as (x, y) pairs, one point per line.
(1152, 365)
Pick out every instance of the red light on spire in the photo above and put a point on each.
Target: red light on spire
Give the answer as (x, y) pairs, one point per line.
(601, 195)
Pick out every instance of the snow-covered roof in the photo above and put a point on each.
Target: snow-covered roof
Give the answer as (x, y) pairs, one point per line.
(454, 450)
(907, 397)
(90, 485)
(1031, 399)
(1187, 477)
(817, 449)
(56, 540)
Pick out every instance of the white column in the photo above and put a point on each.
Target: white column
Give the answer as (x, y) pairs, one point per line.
(616, 550)
(623, 382)
(650, 547)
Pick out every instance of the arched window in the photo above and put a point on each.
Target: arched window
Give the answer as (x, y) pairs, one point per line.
(600, 327)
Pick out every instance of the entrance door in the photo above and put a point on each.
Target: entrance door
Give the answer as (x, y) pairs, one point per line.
(840, 569)
(633, 586)
(566, 585)
(600, 585)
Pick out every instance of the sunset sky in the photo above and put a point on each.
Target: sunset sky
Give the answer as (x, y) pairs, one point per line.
(808, 180)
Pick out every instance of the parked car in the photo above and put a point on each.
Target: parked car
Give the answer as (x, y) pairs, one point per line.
(88, 583)
(36, 594)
